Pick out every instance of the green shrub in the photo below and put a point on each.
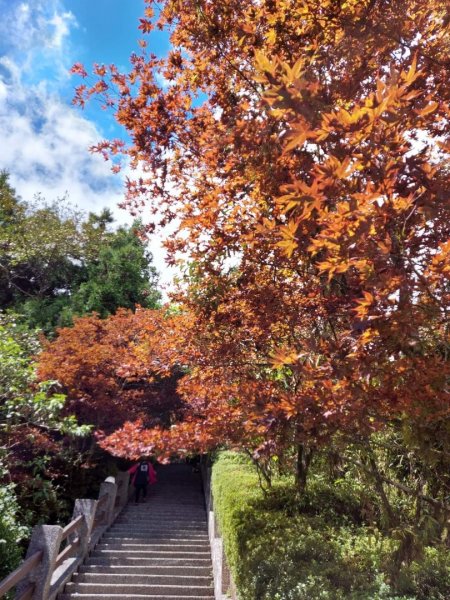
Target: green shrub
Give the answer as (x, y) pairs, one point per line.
(280, 547)
(11, 533)
(428, 578)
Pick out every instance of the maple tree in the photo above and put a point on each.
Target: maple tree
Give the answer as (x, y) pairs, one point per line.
(302, 150)
(104, 367)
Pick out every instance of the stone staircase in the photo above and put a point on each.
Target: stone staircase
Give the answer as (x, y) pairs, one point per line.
(155, 550)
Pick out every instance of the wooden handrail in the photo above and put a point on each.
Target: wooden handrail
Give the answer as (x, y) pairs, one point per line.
(102, 500)
(20, 573)
(71, 527)
(27, 594)
(67, 552)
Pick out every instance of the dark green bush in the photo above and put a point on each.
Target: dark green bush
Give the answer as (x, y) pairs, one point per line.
(280, 547)
(428, 578)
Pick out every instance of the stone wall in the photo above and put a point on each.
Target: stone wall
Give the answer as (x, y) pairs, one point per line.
(224, 588)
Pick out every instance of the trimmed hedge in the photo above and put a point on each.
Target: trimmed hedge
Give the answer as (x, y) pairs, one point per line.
(280, 548)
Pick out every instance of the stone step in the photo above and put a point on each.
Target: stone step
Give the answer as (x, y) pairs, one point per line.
(174, 536)
(172, 497)
(82, 596)
(163, 507)
(147, 563)
(172, 494)
(158, 526)
(180, 541)
(149, 545)
(152, 520)
(162, 539)
(156, 519)
(158, 532)
(160, 519)
(166, 504)
(149, 505)
(132, 527)
(154, 569)
(142, 579)
(135, 589)
(156, 550)
(153, 553)
(158, 535)
(130, 522)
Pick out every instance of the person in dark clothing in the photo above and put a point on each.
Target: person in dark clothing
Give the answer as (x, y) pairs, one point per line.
(142, 474)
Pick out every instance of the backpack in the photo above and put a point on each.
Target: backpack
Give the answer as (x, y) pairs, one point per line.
(142, 474)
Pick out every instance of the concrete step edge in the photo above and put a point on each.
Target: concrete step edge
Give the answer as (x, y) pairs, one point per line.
(155, 578)
(133, 597)
(150, 553)
(193, 570)
(177, 535)
(157, 569)
(151, 523)
(146, 560)
(94, 558)
(159, 528)
(151, 544)
(138, 588)
(177, 539)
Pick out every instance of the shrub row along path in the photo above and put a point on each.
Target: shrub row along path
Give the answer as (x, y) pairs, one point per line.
(155, 550)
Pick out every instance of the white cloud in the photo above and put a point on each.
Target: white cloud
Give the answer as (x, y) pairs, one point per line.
(36, 24)
(61, 24)
(45, 149)
(44, 141)
(45, 146)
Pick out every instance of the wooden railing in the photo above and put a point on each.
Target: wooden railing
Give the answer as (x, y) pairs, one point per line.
(55, 552)
(73, 546)
(20, 573)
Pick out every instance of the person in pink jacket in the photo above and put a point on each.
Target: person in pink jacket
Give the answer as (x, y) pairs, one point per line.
(142, 474)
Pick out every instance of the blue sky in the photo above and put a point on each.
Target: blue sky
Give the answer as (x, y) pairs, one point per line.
(44, 140)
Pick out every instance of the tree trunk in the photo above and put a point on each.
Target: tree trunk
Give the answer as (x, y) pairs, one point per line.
(304, 456)
(391, 518)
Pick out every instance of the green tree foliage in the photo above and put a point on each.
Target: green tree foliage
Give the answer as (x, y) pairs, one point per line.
(10, 213)
(11, 532)
(120, 275)
(25, 402)
(41, 245)
(36, 433)
(56, 264)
